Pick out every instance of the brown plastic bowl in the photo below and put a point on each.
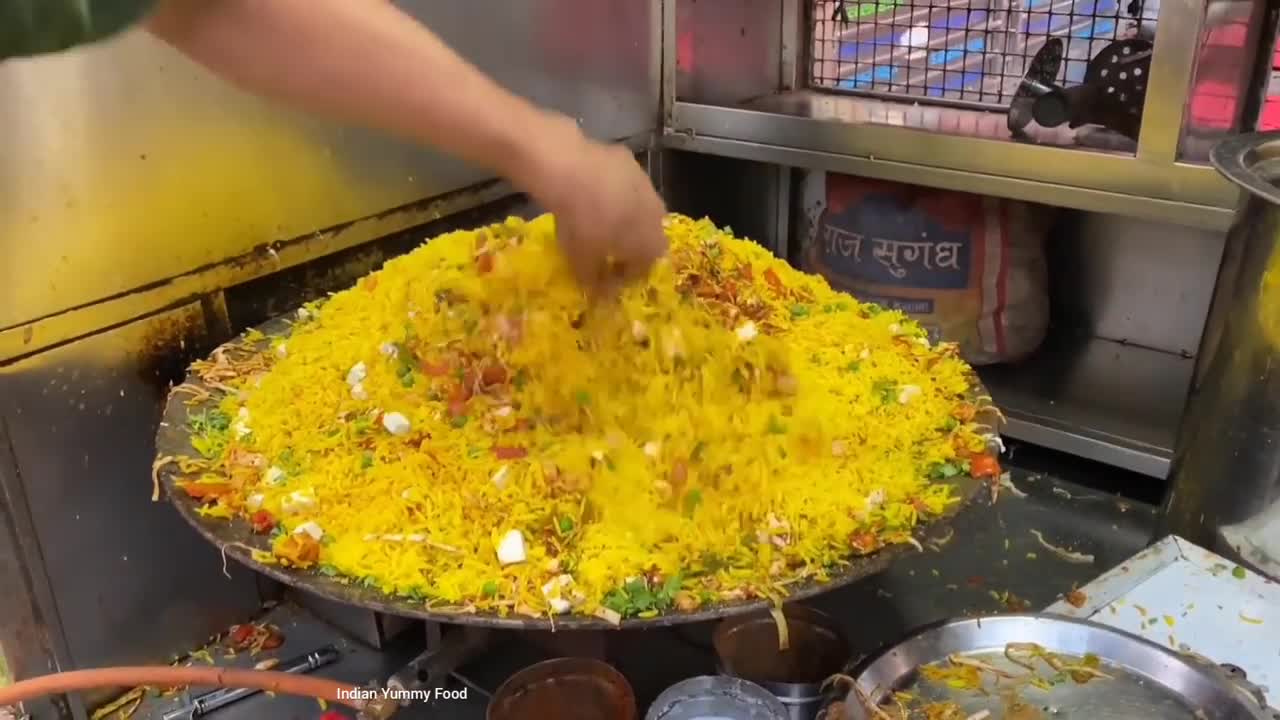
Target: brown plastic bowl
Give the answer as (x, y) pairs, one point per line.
(564, 689)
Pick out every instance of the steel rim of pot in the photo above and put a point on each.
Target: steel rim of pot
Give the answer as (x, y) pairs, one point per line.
(1240, 158)
(745, 695)
(548, 670)
(789, 693)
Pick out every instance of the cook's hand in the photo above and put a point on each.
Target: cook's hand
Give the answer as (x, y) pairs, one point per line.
(608, 216)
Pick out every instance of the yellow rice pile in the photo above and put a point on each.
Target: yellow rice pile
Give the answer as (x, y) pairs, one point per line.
(733, 428)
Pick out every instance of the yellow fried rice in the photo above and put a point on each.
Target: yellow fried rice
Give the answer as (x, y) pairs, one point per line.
(464, 428)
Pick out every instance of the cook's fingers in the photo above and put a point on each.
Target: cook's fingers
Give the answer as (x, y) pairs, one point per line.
(646, 248)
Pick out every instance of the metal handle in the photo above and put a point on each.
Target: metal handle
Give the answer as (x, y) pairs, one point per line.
(209, 702)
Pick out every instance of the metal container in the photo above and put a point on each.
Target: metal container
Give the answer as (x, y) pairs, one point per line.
(716, 698)
(747, 648)
(1142, 680)
(1224, 483)
(566, 689)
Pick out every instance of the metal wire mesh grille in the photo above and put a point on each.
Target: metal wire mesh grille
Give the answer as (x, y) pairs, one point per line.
(971, 52)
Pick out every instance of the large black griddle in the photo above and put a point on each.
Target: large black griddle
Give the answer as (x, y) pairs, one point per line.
(234, 537)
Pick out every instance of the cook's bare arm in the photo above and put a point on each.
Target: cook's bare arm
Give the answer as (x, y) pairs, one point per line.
(367, 63)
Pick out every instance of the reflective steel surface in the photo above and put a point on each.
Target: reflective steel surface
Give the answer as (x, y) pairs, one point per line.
(128, 582)
(716, 698)
(748, 648)
(815, 130)
(124, 164)
(729, 103)
(1224, 491)
(1147, 681)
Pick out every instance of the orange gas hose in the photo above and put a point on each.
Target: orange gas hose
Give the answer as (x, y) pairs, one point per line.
(166, 676)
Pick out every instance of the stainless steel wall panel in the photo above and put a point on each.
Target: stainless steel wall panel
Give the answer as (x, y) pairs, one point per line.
(124, 164)
(131, 583)
(728, 51)
(1141, 282)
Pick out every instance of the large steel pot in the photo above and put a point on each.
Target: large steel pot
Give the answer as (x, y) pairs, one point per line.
(1224, 483)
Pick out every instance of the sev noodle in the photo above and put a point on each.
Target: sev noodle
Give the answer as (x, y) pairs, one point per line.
(730, 428)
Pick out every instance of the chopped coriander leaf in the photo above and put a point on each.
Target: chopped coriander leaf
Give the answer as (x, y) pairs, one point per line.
(775, 426)
(289, 462)
(459, 421)
(692, 499)
(943, 471)
(211, 420)
(886, 390)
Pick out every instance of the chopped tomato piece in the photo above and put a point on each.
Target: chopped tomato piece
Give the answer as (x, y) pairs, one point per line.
(461, 391)
(864, 542)
(965, 412)
(506, 452)
(484, 263)
(493, 375)
(263, 522)
(457, 408)
(298, 550)
(984, 466)
(205, 490)
(436, 369)
(774, 281)
(241, 634)
(679, 473)
(919, 505)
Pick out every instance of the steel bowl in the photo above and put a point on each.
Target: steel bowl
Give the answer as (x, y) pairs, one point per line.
(716, 697)
(747, 647)
(565, 689)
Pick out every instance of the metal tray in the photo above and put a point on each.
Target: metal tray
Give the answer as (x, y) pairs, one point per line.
(1146, 680)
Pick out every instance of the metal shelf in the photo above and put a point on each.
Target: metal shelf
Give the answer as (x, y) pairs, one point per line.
(1108, 401)
(909, 143)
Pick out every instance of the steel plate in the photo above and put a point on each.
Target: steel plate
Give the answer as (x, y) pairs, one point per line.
(1147, 680)
(235, 539)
